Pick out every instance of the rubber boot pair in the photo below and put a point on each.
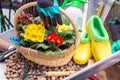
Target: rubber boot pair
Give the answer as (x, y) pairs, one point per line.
(114, 27)
(95, 43)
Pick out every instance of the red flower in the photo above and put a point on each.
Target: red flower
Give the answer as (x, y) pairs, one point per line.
(59, 40)
(28, 21)
(45, 22)
(27, 15)
(53, 37)
(20, 16)
(19, 22)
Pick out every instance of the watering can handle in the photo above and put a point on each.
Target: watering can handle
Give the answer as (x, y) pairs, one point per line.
(64, 4)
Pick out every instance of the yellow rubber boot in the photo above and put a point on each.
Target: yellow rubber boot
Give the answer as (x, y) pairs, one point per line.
(83, 52)
(101, 47)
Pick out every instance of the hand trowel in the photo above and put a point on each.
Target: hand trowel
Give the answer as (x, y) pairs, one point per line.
(6, 49)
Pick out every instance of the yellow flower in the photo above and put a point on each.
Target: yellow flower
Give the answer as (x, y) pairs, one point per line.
(35, 32)
(63, 27)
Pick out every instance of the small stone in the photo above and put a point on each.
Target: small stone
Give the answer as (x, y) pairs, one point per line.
(53, 78)
(41, 78)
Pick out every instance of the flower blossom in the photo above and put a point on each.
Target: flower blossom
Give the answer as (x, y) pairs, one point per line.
(64, 27)
(35, 32)
(53, 37)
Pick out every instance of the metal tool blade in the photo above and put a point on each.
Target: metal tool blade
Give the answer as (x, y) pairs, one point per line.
(7, 53)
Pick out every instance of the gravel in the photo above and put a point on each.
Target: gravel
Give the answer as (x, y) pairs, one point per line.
(17, 67)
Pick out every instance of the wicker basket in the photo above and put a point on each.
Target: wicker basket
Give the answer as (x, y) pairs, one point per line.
(38, 56)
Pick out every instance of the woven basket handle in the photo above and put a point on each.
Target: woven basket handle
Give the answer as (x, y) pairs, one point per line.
(34, 4)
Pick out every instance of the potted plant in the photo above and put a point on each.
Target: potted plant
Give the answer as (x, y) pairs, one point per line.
(44, 44)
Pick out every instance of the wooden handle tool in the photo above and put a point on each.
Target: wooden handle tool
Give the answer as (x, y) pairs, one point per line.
(53, 73)
(100, 9)
(60, 73)
(66, 73)
(90, 62)
(4, 45)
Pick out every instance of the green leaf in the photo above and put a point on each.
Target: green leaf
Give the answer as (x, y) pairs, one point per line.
(52, 29)
(66, 33)
(18, 27)
(48, 52)
(69, 40)
(21, 34)
(34, 45)
(46, 33)
(58, 52)
(68, 37)
(29, 41)
(24, 27)
(24, 43)
(42, 45)
(64, 42)
(79, 30)
(65, 20)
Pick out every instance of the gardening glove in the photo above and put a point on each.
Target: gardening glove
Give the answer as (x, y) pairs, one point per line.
(115, 46)
(15, 40)
(114, 27)
(49, 8)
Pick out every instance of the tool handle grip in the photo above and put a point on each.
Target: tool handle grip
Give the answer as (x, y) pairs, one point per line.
(4, 45)
(100, 9)
(90, 62)
(60, 73)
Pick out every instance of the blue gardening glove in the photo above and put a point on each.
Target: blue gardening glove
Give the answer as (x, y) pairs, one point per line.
(15, 40)
(49, 8)
(113, 21)
(115, 46)
(118, 45)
